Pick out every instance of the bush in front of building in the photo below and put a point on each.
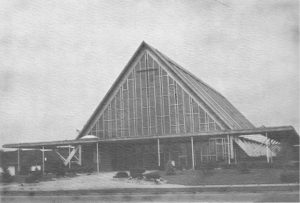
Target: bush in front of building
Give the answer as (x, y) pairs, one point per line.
(5, 175)
(56, 167)
(121, 174)
(70, 172)
(170, 168)
(34, 176)
(289, 177)
(137, 172)
(152, 175)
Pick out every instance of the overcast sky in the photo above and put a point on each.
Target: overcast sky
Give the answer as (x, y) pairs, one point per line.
(59, 58)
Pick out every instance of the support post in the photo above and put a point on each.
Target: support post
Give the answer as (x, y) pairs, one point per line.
(19, 167)
(231, 147)
(43, 157)
(215, 144)
(193, 159)
(270, 149)
(79, 155)
(223, 148)
(158, 152)
(97, 150)
(235, 158)
(201, 159)
(69, 155)
(228, 149)
(267, 148)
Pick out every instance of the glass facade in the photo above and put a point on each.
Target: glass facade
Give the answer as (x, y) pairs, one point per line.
(213, 149)
(149, 103)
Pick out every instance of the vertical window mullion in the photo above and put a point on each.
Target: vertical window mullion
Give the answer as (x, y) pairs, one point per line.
(134, 100)
(147, 93)
(162, 101)
(122, 111)
(192, 114)
(141, 93)
(183, 109)
(176, 108)
(168, 95)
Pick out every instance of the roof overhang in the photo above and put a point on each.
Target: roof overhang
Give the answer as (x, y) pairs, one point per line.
(276, 133)
(50, 144)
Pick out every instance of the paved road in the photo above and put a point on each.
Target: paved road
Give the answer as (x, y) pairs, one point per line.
(177, 197)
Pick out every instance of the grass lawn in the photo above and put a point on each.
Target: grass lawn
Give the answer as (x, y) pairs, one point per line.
(224, 177)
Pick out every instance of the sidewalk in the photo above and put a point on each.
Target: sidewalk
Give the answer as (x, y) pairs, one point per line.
(253, 188)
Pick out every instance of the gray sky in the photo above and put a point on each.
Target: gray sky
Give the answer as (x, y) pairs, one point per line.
(59, 58)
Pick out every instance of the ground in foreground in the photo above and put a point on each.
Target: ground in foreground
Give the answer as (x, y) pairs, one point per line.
(174, 197)
(182, 178)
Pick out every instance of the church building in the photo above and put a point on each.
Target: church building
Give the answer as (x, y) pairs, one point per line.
(158, 111)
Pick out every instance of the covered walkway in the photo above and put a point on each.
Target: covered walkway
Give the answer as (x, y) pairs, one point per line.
(286, 135)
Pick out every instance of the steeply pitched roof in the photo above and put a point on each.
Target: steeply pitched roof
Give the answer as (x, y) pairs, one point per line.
(218, 104)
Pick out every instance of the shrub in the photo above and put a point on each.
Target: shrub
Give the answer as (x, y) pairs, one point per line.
(152, 175)
(289, 177)
(33, 177)
(6, 177)
(121, 174)
(136, 172)
(170, 169)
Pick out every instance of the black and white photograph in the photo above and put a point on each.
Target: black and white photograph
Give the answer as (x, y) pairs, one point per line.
(149, 101)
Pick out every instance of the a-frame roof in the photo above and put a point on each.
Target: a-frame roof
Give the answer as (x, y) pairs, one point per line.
(223, 110)
(217, 102)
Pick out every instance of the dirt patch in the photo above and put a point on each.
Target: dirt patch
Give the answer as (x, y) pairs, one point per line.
(85, 182)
